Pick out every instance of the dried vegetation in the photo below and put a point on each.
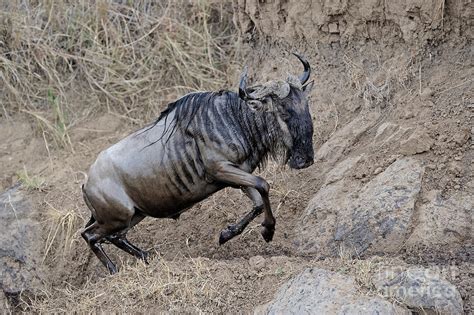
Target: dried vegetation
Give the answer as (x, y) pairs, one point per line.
(63, 60)
(167, 285)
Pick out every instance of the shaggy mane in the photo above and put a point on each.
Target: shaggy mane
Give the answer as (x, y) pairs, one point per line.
(185, 108)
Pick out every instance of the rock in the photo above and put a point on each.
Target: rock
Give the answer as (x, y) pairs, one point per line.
(445, 223)
(375, 306)
(455, 168)
(341, 169)
(332, 150)
(431, 166)
(318, 291)
(462, 136)
(4, 305)
(426, 93)
(373, 218)
(408, 112)
(408, 29)
(382, 213)
(418, 142)
(405, 140)
(333, 28)
(317, 225)
(19, 243)
(420, 288)
(378, 170)
(442, 137)
(385, 131)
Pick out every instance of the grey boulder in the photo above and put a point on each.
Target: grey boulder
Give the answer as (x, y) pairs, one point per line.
(421, 289)
(372, 218)
(318, 291)
(19, 243)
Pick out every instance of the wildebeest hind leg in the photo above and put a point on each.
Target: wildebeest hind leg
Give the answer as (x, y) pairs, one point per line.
(120, 240)
(93, 235)
(235, 229)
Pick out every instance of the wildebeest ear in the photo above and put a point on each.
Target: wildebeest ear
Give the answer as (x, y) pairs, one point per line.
(308, 87)
(265, 104)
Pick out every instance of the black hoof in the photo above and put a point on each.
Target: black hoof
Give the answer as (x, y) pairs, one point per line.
(225, 236)
(267, 233)
(144, 257)
(112, 269)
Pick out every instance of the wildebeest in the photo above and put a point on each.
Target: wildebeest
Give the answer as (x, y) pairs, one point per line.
(200, 144)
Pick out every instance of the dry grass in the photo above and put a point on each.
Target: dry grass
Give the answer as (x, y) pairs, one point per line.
(30, 182)
(62, 231)
(61, 60)
(376, 84)
(171, 286)
(362, 269)
(57, 129)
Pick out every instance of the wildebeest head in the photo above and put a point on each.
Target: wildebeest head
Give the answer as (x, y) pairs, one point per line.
(289, 101)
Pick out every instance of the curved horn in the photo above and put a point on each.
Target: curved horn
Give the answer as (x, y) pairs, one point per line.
(243, 85)
(307, 69)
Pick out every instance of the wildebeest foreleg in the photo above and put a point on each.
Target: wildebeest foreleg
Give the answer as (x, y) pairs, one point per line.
(232, 175)
(235, 229)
